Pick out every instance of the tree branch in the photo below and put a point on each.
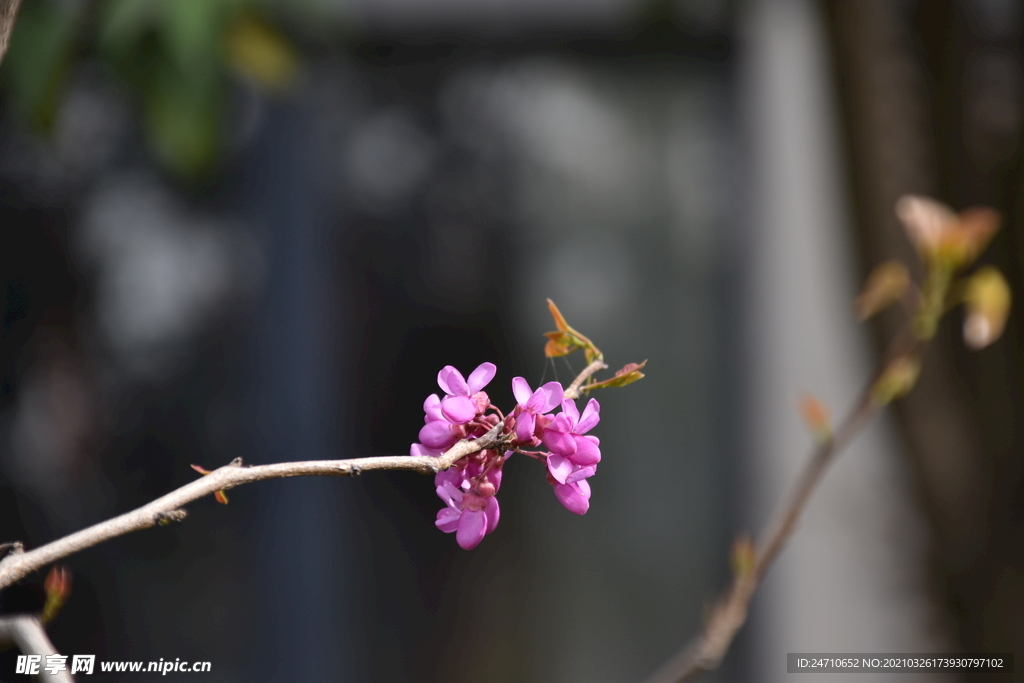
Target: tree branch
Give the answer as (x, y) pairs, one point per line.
(573, 391)
(706, 651)
(8, 11)
(168, 508)
(27, 633)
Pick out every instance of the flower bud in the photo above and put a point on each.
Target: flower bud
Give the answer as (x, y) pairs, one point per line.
(816, 416)
(898, 378)
(885, 285)
(987, 301)
(57, 587)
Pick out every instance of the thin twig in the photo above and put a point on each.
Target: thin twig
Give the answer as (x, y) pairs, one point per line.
(726, 618)
(573, 391)
(165, 509)
(27, 633)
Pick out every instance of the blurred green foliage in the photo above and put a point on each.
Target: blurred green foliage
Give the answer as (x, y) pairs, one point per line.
(177, 58)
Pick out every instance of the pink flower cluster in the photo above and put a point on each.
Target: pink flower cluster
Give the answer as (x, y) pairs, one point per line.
(469, 487)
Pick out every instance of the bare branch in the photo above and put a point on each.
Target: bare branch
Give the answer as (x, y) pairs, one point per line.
(8, 11)
(168, 508)
(28, 634)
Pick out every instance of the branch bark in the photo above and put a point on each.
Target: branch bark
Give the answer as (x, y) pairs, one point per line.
(8, 12)
(168, 508)
(27, 633)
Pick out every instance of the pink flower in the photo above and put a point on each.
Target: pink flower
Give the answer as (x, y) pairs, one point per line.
(575, 496)
(438, 433)
(469, 515)
(468, 488)
(564, 436)
(533, 404)
(464, 399)
(573, 457)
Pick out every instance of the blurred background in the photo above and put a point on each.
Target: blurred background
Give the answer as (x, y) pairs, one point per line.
(257, 229)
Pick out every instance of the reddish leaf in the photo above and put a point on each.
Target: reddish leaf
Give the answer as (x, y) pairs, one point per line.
(554, 349)
(629, 367)
(557, 315)
(627, 375)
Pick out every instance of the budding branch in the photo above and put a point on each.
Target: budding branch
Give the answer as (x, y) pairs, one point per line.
(706, 651)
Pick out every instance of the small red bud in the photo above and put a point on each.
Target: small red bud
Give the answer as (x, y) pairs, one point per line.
(58, 587)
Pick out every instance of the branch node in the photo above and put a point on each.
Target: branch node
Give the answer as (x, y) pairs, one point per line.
(165, 518)
(354, 470)
(237, 462)
(11, 548)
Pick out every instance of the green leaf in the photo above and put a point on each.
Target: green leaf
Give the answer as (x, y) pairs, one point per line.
(121, 24)
(38, 59)
(193, 31)
(183, 121)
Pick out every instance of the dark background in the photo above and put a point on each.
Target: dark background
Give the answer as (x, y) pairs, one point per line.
(208, 258)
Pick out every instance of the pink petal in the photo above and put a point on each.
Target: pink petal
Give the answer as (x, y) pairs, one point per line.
(559, 467)
(562, 423)
(453, 476)
(480, 377)
(570, 412)
(587, 451)
(560, 442)
(553, 396)
(458, 409)
(473, 469)
(420, 449)
(437, 434)
(494, 476)
(447, 520)
(432, 407)
(568, 495)
(452, 381)
(581, 474)
(584, 488)
(524, 427)
(591, 416)
(536, 401)
(493, 513)
(453, 493)
(444, 494)
(472, 528)
(521, 390)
